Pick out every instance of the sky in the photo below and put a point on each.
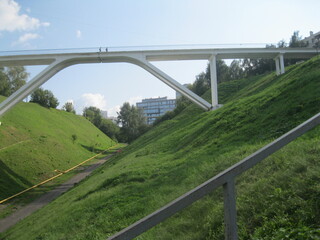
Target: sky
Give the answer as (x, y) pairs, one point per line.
(35, 25)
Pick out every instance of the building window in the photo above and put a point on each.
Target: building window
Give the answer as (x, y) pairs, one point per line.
(156, 107)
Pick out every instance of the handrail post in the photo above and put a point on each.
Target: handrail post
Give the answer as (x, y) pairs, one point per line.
(230, 212)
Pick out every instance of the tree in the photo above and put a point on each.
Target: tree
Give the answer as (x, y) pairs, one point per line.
(296, 41)
(93, 114)
(202, 83)
(282, 44)
(4, 83)
(68, 107)
(11, 79)
(223, 74)
(109, 128)
(44, 98)
(235, 70)
(133, 123)
(203, 80)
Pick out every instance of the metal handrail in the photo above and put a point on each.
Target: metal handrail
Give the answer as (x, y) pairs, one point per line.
(226, 179)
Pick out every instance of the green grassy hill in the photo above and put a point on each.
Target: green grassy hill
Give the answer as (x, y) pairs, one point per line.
(34, 141)
(278, 199)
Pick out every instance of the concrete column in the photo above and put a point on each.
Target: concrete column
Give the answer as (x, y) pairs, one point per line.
(214, 80)
(277, 65)
(282, 70)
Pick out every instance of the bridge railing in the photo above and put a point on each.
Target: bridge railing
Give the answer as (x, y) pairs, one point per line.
(226, 179)
(133, 48)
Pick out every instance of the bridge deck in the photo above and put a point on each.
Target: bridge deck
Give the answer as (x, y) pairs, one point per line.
(159, 55)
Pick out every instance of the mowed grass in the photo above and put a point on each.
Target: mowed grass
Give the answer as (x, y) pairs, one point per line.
(35, 141)
(278, 199)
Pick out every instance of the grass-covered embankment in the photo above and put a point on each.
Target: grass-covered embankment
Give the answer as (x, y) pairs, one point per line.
(278, 199)
(34, 141)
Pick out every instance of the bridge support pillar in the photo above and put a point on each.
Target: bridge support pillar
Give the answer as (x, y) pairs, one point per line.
(280, 64)
(214, 81)
(282, 70)
(277, 66)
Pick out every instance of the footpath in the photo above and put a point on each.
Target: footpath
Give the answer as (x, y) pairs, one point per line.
(25, 211)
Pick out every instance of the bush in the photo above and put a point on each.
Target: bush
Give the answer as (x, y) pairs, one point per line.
(45, 98)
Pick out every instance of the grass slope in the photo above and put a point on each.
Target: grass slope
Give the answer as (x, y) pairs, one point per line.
(278, 199)
(34, 141)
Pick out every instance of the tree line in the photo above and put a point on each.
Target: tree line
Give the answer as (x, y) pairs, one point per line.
(244, 68)
(131, 122)
(238, 69)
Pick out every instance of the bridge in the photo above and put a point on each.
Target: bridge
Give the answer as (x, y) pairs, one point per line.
(143, 58)
(225, 179)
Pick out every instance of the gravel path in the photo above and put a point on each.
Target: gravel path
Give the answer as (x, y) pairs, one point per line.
(48, 197)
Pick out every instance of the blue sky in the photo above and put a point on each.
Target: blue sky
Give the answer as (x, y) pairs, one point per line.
(60, 24)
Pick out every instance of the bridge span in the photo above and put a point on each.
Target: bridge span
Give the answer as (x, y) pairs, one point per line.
(143, 58)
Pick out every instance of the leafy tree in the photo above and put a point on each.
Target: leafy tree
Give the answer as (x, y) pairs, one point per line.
(235, 70)
(109, 128)
(202, 82)
(282, 44)
(68, 107)
(45, 98)
(93, 114)
(296, 41)
(133, 123)
(223, 73)
(4, 83)
(11, 79)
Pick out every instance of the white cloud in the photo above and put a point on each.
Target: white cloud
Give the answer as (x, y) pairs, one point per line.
(11, 20)
(94, 99)
(79, 34)
(28, 36)
(98, 100)
(45, 24)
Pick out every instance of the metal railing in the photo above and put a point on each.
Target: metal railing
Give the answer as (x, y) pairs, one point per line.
(226, 179)
(132, 48)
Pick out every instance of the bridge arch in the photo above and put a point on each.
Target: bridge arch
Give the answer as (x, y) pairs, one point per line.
(57, 62)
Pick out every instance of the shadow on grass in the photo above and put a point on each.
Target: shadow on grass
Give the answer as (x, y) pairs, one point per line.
(92, 148)
(10, 181)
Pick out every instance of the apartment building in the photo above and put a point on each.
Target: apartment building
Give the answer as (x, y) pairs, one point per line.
(156, 107)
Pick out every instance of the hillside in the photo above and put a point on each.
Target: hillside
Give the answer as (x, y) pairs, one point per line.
(34, 141)
(278, 199)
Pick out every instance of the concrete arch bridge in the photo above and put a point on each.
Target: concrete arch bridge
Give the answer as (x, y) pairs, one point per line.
(143, 58)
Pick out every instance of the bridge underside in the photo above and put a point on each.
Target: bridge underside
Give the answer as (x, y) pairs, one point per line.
(57, 62)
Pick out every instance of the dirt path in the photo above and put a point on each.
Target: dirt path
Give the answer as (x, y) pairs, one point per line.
(48, 197)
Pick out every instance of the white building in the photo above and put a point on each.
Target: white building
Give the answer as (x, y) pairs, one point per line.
(313, 40)
(156, 107)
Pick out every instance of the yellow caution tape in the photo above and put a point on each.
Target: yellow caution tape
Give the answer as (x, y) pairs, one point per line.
(54, 177)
